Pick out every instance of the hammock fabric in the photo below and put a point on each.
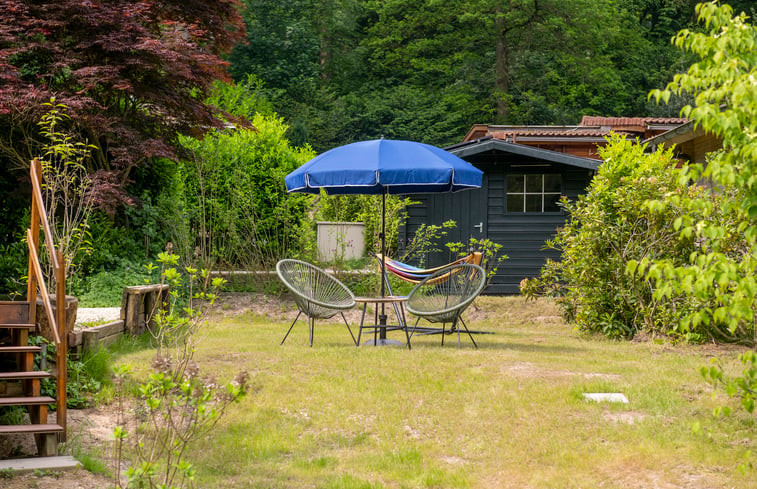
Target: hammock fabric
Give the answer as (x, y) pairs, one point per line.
(415, 275)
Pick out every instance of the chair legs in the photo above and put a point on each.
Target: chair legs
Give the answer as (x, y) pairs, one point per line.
(467, 331)
(454, 328)
(415, 327)
(349, 329)
(311, 328)
(290, 328)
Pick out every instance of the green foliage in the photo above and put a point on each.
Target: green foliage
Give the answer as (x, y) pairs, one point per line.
(91, 463)
(105, 288)
(348, 70)
(65, 185)
(120, 245)
(13, 267)
(12, 415)
(243, 99)
(426, 240)
(85, 377)
(491, 255)
(236, 203)
(721, 269)
(178, 406)
(609, 239)
(743, 387)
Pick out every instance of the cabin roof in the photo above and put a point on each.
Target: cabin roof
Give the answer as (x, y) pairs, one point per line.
(489, 144)
(592, 129)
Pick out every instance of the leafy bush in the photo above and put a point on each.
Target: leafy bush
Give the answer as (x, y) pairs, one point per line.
(105, 288)
(13, 268)
(611, 234)
(237, 205)
(177, 405)
(84, 376)
(491, 255)
(242, 99)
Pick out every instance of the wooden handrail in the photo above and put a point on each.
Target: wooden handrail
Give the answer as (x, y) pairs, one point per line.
(57, 319)
(42, 287)
(36, 171)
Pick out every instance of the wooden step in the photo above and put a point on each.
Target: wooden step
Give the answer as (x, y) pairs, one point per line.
(17, 326)
(36, 374)
(26, 401)
(30, 428)
(20, 349)
(14, 312)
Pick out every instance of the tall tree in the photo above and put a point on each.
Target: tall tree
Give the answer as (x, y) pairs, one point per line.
(722, 82)
(428, 69)
(132, 74)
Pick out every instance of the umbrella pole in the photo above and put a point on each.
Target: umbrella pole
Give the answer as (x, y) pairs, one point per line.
(382, 316)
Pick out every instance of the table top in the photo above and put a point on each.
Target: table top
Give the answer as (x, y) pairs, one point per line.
(389, 299)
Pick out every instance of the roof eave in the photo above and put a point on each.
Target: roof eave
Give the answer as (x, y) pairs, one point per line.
(680, 134)
(489, 144)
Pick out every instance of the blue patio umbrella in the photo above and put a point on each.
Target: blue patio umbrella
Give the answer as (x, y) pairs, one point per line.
(381, 167)
(384, 166)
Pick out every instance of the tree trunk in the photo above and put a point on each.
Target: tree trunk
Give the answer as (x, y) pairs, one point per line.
(501, 68)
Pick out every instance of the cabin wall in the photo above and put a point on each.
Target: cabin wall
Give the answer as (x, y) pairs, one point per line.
(522, 235)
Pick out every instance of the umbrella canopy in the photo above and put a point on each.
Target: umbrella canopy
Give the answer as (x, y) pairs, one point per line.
(384, 166)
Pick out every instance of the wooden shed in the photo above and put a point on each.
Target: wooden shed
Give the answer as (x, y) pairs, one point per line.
(516, 205)
(692, 143)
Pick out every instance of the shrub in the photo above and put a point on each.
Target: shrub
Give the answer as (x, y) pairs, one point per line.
(610, 236)
(237, 205)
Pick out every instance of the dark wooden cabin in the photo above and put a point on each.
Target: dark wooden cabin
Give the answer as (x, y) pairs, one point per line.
(516, 205)
(526, 170)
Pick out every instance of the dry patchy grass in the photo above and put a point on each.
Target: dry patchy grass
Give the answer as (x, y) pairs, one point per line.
(508, 415)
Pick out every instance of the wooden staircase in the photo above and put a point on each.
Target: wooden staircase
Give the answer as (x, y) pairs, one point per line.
(20, 384)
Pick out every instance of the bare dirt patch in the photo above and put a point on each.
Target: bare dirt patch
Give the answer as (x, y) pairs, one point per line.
(531, 371)
(74, 479)
(89, 430)
(485, 308)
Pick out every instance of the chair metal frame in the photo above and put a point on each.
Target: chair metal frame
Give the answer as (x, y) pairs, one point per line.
(311, 287)
(467, 280)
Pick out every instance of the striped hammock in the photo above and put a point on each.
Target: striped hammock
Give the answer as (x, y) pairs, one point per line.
(414, 275)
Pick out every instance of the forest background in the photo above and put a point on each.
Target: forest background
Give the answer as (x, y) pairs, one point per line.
(155, 90)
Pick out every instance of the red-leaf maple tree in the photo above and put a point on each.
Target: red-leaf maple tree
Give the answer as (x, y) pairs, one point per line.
(133, 74)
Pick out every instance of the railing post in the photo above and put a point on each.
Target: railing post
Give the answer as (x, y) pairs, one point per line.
(62, 347)
(31, 287)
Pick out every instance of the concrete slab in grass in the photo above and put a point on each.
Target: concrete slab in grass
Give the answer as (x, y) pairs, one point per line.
(606, 397)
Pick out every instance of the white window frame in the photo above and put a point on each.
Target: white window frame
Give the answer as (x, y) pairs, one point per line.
(525, 193)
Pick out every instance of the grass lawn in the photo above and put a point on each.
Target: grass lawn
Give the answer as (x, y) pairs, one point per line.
(508, 415)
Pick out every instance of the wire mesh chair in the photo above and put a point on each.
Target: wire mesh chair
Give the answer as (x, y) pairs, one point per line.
(316, 293)
(443, 300)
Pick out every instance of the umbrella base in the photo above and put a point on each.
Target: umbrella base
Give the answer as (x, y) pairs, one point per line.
(383, 342)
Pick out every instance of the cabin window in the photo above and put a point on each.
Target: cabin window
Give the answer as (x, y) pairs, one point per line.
(533, 192)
